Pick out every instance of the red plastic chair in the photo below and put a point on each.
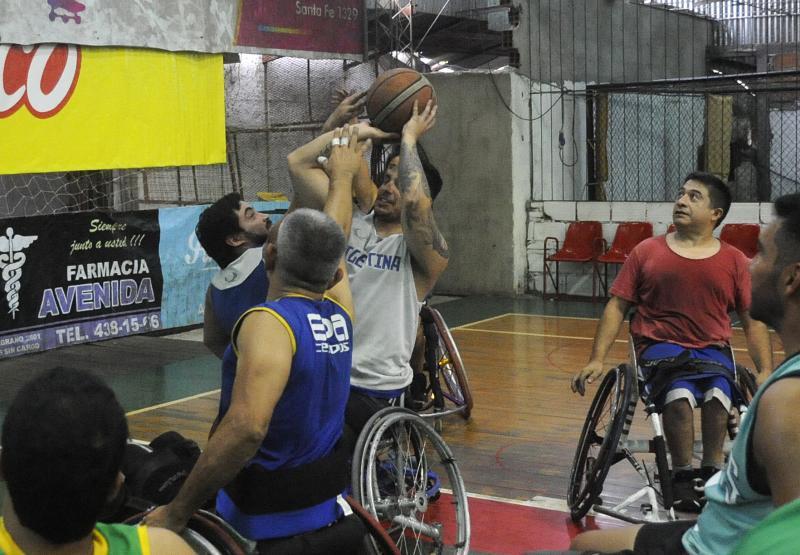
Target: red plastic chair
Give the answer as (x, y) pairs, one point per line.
(627, 236)
(742, 236)
(580, 245)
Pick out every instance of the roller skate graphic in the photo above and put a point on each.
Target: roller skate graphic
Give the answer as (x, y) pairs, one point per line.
(66, 10)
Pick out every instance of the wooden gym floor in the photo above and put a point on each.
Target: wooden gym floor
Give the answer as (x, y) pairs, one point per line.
(519, 353)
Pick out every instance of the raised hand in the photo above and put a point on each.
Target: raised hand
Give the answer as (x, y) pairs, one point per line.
(346, 153)
(348, 107)
(420, 123)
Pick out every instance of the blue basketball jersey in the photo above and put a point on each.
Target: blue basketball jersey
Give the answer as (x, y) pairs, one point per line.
(308, 420)
(242, 284)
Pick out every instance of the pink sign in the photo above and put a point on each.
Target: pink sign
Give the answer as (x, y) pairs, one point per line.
(334, 27)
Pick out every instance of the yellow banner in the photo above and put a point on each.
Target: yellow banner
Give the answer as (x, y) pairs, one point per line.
(66, 108)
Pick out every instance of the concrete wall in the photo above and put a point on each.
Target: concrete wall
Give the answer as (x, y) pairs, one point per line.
(608, 41)
(482, 152)
(244, 93)
(550, 219)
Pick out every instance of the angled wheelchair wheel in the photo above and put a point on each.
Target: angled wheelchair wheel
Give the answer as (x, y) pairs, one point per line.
(608, 419)
(379, 541)
(360, 452)
(452, 367)
(412, 485)
(746, 382)
(453, 385)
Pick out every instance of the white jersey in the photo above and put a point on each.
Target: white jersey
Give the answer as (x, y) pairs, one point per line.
(386, 306)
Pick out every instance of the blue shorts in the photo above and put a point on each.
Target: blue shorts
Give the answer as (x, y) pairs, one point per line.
(698, 388)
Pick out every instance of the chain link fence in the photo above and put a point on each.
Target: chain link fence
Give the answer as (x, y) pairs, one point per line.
(643, 140)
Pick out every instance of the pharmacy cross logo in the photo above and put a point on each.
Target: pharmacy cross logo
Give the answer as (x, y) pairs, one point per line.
(11, 260)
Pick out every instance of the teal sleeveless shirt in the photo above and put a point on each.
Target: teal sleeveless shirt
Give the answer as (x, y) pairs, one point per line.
(733, 508)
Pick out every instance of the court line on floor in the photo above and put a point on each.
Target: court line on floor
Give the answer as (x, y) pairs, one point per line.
(534, 334)
(579, 318)
(476, 322)
(206, 393)
(536, 502)
(557, 336)
(170, 403)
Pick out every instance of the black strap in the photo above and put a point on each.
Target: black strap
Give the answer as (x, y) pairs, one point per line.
(256, 490)
(660, 373)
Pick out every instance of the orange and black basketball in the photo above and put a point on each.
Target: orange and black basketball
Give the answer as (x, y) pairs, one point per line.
(390, 99)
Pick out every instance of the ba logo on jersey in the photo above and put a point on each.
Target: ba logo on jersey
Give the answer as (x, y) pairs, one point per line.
(331, 336)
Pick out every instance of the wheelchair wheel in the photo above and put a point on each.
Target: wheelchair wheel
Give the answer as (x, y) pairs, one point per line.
(746, 383)
(380, 542)
(453, 380)
(360, 452)
(601, 434)
(406, 469)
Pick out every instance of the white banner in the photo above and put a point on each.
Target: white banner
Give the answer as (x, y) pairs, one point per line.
(196, 25)
(177, 25)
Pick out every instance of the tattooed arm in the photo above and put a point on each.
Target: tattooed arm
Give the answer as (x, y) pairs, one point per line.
(429, 251)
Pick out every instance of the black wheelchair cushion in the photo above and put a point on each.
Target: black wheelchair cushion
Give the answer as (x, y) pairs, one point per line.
(157, 472)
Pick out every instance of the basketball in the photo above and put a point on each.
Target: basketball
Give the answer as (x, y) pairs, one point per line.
(390, 99)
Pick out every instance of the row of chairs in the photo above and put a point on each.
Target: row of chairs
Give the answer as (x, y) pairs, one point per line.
(584, 244)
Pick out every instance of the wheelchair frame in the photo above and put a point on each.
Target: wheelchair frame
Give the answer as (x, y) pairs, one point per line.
(443, 362)
(589, 473)
(208, 534)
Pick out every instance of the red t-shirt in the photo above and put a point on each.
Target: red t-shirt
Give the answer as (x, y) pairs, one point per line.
(681, 300)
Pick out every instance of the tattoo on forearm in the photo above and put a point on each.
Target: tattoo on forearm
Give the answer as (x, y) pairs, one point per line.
(419, 221)
(410, 171)
(424, 227)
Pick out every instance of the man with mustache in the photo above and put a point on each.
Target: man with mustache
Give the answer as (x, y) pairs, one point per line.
(761, 473)
(684, 285)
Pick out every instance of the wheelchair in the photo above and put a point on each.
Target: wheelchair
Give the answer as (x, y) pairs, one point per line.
(447, 389)
(208, 534)
(154, 475)
(604, 442)
(406, 477)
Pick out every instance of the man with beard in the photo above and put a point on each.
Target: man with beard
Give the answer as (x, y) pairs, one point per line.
(277, 462)
(684, 285)
(232, 232)
(760, 473)
(395, 254)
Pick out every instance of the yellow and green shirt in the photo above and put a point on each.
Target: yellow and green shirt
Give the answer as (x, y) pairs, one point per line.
(107, 539)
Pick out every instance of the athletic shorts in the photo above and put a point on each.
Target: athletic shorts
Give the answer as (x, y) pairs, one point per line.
(346, 536)
(361, 406)
(698, 388)
(662, 538)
